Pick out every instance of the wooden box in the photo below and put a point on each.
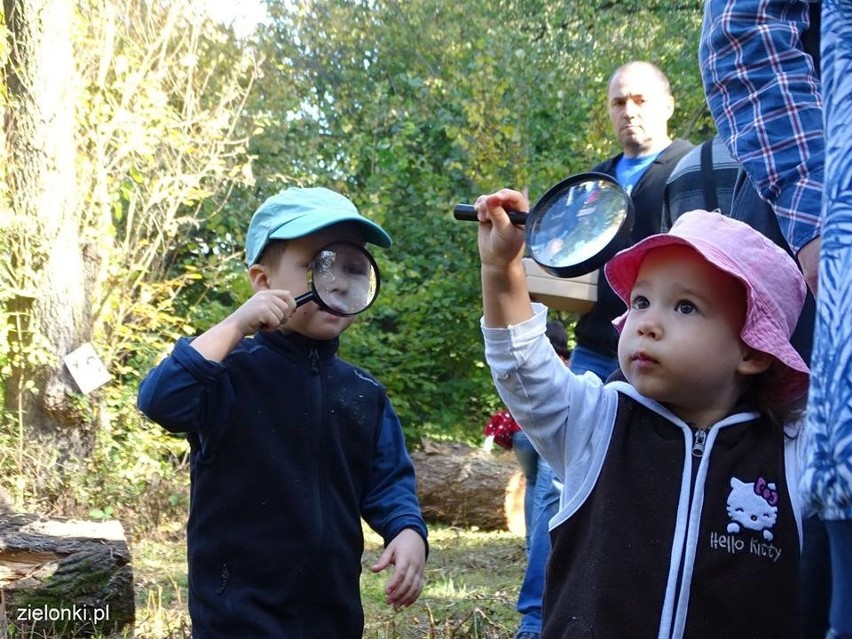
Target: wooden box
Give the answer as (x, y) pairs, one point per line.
(576, 294)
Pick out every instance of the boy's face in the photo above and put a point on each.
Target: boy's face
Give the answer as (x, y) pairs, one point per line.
(290, 273)
(680, 344)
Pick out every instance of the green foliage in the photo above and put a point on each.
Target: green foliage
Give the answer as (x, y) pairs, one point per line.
(161, 139)
(411, 107)
(137, 471)
(407, 108)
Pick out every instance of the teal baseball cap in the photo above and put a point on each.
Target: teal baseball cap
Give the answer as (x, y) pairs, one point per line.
(296, 212)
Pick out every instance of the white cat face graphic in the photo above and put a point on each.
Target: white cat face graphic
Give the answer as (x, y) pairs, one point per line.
(751, 505)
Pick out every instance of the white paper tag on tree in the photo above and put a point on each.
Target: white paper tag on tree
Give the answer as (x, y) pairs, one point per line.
(86, 368)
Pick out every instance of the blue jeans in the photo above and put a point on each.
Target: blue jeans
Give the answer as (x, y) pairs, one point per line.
(546, 505)
(528, 461)
(814, 580)
(583, 359)
(840, 539)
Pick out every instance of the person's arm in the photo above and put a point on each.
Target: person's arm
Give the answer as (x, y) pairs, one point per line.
(190, 383)
(505, 297)
(562, 413)
(764, 95)
(392, 509)
(184, 389)
(266, 310)
(390, 503)
(407, 554)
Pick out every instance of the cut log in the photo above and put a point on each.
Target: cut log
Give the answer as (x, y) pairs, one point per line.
(465, 486)
(63, 578)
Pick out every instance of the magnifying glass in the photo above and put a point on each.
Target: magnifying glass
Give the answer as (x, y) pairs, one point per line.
(344, 279)
(576, 227)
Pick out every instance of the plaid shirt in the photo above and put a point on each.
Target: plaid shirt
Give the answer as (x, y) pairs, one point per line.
(764, 95)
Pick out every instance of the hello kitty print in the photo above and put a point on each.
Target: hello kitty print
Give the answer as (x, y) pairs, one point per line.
(752, 509)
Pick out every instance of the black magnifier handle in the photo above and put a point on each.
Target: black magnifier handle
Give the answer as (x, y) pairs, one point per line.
(304, 298)
(467, 213)
(311, 296)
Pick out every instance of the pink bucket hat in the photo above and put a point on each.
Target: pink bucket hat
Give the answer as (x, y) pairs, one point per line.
(775, 287)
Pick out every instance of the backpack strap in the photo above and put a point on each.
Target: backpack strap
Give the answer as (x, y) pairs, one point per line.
(708, 181)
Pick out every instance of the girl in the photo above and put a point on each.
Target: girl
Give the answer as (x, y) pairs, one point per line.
(679, 515)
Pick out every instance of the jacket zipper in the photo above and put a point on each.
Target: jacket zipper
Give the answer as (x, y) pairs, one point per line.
(698, 443)
(699, 438)
(319, 436)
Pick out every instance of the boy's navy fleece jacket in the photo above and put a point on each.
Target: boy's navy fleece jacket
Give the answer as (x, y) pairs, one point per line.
(290, 447)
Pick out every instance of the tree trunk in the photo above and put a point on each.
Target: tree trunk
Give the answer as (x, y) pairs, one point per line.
(63, 578)
(465, 486)
(49, 312)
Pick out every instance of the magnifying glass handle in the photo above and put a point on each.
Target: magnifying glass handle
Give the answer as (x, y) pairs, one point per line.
(466, 213)
(304, 298)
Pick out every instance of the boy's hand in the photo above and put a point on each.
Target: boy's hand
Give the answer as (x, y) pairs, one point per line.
(407, 552)
(500, 241)
(266, 310)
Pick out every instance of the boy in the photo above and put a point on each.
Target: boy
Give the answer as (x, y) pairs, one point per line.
(290, 446)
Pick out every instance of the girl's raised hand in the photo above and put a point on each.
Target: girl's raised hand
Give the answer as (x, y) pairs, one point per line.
(500, 241)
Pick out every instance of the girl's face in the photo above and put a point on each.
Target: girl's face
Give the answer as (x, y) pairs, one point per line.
(290, 273)
(680, 344)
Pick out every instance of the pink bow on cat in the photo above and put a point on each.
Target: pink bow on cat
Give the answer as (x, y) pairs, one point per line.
(764, 490)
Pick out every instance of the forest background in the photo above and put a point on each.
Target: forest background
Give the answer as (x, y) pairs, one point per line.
(140, 136)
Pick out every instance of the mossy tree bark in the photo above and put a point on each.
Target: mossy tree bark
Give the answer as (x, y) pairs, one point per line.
(63, 578)
(48, 310)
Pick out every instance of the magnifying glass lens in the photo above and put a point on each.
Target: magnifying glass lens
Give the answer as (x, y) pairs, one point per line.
(578, 224)
(345, 278)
